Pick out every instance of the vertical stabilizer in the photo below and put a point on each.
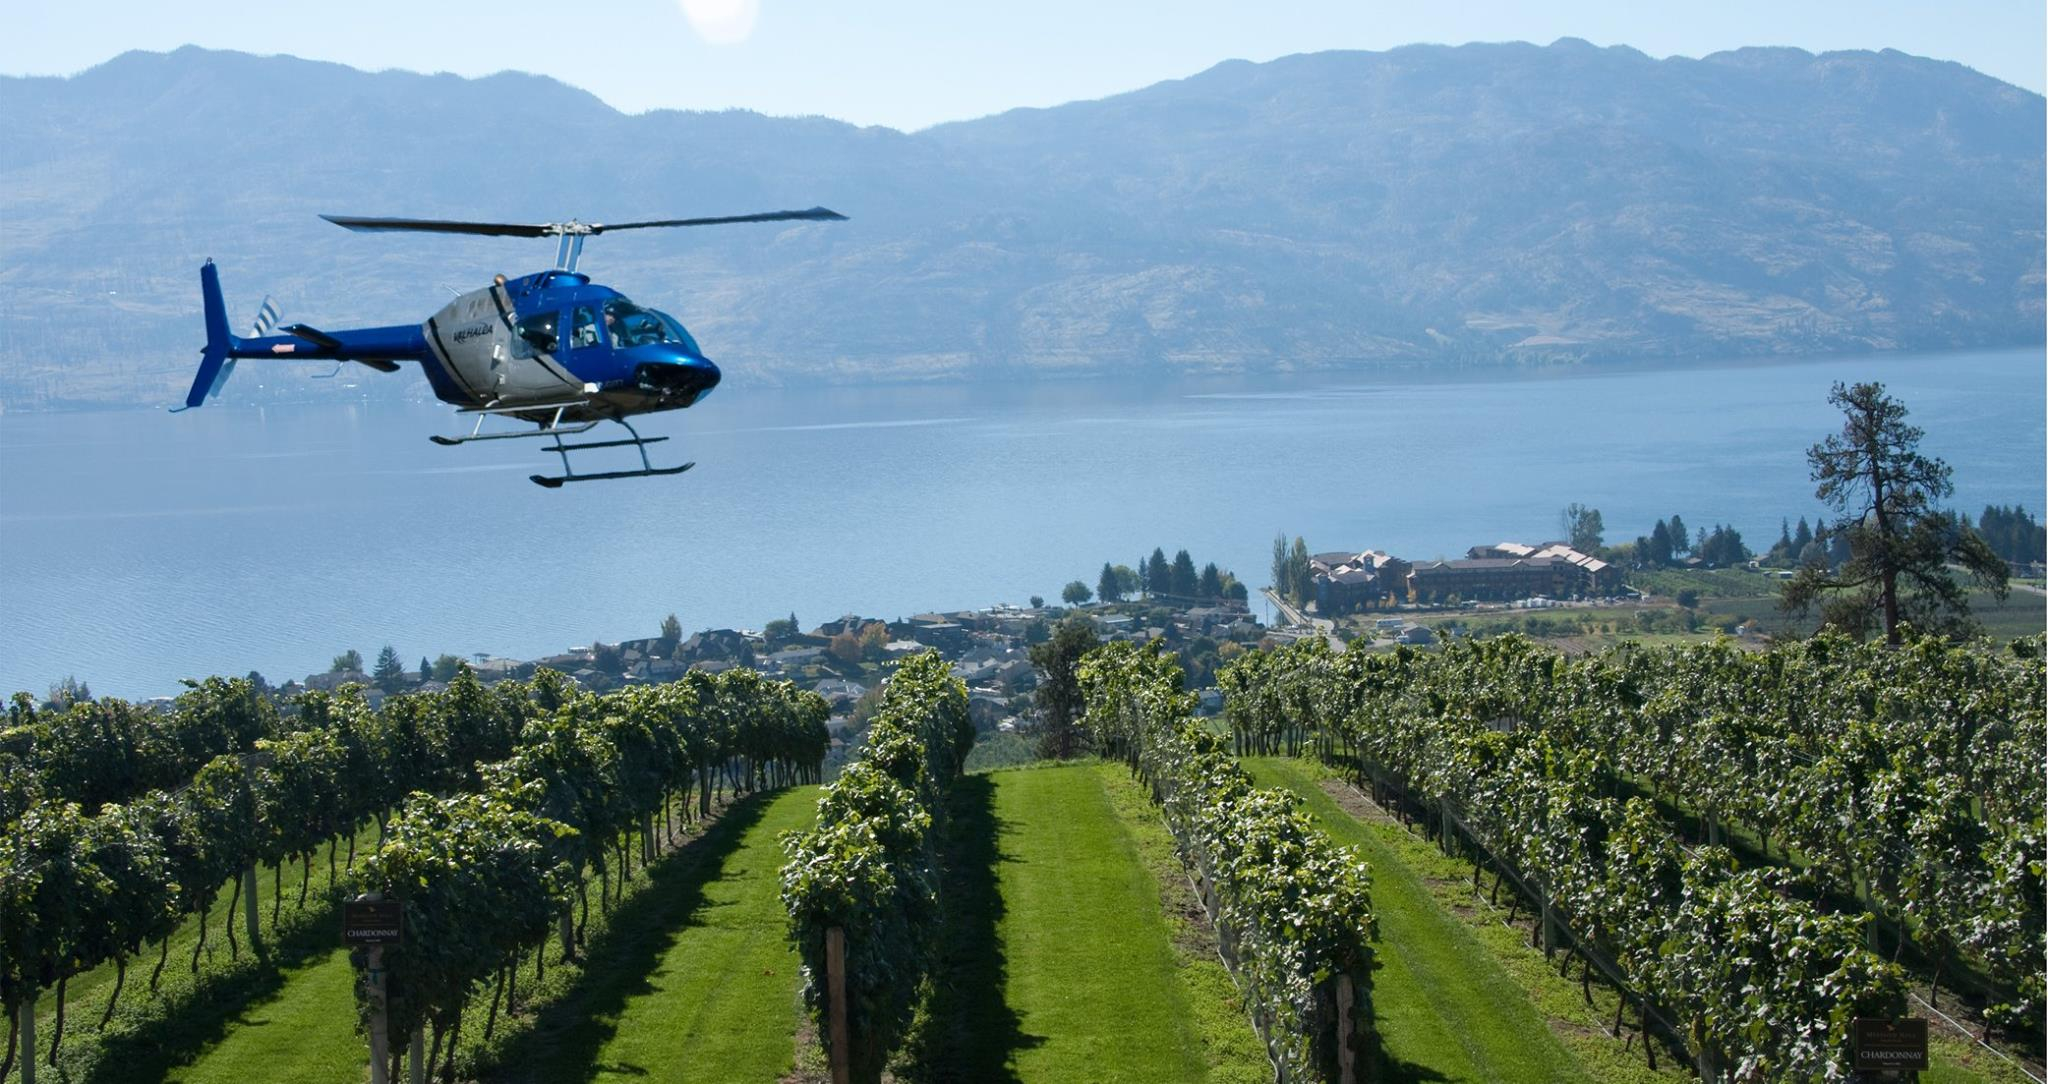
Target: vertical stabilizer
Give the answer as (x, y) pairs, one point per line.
(218, 342)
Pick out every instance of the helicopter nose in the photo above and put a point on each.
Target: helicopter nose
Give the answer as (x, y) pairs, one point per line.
(684, 377)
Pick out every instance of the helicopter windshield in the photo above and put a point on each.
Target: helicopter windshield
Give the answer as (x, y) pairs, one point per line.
(632, 325)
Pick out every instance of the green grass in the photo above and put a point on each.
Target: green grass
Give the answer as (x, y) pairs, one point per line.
(1709, 582)
(1230, 1046)
(306, 1033)
(1458, 995)
(695, 978)
(1057, 963)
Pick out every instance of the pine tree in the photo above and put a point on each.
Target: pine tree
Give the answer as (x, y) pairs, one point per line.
(1106, 586)
(1659, 546)
(1212, 582)
(1681, 542)
(1901, 544)
(1183, 581)
(390, 673)
(1159, 574)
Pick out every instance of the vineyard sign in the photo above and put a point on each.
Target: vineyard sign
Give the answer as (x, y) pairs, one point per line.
(372, 922)
(1890, 1045)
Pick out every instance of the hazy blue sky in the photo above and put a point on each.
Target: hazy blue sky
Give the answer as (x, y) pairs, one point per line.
(911, 63)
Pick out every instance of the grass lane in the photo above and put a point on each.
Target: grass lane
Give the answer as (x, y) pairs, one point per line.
(696, 979)
(1448, 1007)
(1073, 949)
(1058, 964)
(305, 1035)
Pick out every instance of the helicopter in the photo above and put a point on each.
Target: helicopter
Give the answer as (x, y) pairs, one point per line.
(552, 349)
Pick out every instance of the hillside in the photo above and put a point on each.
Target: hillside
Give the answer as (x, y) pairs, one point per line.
(1422, 205)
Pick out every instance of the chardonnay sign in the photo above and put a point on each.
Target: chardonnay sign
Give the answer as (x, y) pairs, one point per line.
(372, 922)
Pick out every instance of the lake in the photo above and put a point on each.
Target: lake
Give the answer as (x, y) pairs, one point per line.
(139, 547)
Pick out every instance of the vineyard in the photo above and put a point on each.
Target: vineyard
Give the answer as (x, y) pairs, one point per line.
(1755, 848)
(1718, 860)
(125, 831)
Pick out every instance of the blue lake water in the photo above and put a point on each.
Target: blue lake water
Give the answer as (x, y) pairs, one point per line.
(140, 547)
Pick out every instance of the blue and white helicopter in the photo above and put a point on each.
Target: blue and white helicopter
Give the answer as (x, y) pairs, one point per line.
(553, 349)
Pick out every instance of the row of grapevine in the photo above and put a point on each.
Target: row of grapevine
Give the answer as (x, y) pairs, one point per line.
(81, 888)
(98, 751)
(1909, 778)
(868, 866)
(579, 782)
(1294, 910)
(1542, 758)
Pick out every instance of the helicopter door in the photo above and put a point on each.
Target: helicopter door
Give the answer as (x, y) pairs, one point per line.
(537, 344)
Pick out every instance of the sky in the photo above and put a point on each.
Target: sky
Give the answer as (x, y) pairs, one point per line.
(909, 64)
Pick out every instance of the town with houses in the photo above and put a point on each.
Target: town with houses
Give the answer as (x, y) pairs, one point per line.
(844, 658)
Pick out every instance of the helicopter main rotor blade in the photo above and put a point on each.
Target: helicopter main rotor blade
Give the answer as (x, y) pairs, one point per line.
(815, 214)
(431, 225)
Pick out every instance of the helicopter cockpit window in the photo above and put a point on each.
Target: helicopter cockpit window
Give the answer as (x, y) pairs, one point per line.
(536, 334)
(584, 328)
(677, 334)
(632, 325)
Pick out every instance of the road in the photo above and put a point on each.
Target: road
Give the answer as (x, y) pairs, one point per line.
(1293, 616)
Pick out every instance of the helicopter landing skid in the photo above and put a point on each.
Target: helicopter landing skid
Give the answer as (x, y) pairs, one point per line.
(647, 468)
(552, 428)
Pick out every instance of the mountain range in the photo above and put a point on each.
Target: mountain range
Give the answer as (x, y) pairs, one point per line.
(1496, 203)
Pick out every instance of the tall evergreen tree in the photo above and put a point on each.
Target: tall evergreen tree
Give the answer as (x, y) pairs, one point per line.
(1681, 542)
(1159, 574)
(1300, 581)
(1183, 581)
(1212, 582)
(1659, 544)
(390, 673)
(1059, 687)
(1106, 586)
(1886, 497)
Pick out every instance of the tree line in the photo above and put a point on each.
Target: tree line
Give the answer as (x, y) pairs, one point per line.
(1156, 576)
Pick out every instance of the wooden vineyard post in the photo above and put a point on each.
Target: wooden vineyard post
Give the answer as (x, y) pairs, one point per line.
(835, 1004)
(416, 1057)
(251, 923)
(380, 1024)
(1347, 1058)
(370, 923)
(27, 1016)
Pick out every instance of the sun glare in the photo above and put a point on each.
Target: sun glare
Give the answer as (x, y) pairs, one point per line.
(722, 22)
